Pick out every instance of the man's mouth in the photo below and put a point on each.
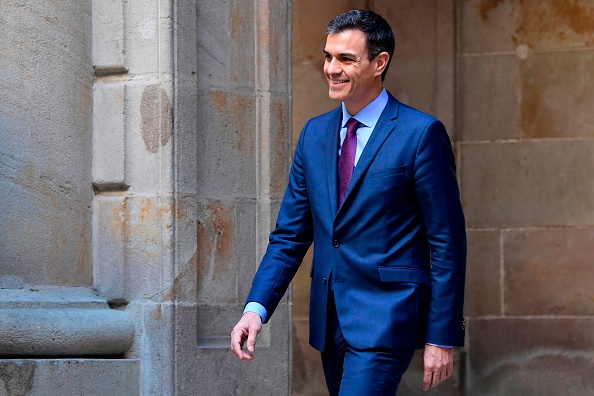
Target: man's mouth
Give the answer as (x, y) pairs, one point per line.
(339, 81)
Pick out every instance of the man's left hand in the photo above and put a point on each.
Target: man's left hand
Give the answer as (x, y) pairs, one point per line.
(438, 365)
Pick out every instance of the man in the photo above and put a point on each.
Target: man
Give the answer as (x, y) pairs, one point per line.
(390, 242)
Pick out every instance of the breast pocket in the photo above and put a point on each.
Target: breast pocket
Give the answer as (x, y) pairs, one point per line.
(388, 172)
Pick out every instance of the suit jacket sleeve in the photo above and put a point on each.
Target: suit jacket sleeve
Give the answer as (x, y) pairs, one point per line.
(438, 195)
(289, 241)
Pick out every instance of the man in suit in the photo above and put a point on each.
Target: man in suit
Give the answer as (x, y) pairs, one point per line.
(373, 184)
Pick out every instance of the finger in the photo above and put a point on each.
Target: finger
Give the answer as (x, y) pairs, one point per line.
(427, 379)
(237, 342)
(251, 341)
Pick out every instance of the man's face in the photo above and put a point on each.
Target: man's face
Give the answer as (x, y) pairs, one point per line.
(352, 77)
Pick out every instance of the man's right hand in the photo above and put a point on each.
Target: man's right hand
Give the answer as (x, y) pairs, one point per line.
(247, 328)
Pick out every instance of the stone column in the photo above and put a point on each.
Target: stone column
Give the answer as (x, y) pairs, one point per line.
(232, 153)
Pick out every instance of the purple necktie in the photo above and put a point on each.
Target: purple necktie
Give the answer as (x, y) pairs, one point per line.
(346, 163)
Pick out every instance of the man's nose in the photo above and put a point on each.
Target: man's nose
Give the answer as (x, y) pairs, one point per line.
(333, 67)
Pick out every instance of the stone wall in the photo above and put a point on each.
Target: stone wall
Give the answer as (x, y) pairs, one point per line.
(526, 156)
(512, 81)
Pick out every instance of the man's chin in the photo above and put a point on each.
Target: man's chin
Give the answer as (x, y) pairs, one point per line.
(335, 95)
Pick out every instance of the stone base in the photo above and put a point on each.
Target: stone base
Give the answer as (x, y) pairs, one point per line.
(60, 377)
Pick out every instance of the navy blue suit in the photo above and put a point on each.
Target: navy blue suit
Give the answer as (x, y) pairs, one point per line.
(395, 251)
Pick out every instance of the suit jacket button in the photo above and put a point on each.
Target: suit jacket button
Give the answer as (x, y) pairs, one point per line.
(324, 280)
(335, 243)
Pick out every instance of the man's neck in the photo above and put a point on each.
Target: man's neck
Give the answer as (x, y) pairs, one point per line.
(354, 108)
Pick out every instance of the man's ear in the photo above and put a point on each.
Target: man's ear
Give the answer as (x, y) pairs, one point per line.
(381, 63)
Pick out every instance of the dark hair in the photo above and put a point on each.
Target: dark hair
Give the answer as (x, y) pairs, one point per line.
(379, 36)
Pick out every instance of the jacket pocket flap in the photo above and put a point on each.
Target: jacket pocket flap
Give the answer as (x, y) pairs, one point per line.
(399, 170)
(403, 274)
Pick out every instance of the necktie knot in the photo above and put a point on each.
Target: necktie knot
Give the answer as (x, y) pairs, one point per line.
(346, 163)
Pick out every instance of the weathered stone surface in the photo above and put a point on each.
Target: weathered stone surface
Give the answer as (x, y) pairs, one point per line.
(147, 221)
(148, 37)
(542, 183)
(308, 374)
(108, 136)
(61, 322)
(517, 356)
(108, 35)
(267, 374)
(227, 144)
(549, 272)
(148, 130)
(58, 377)
(310, 19)
(483, 274)
(109, 241)
(501, 25)
(45, 129)
(489, 97)
(556, 95)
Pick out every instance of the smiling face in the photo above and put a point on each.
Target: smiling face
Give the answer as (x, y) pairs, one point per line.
(352, 77)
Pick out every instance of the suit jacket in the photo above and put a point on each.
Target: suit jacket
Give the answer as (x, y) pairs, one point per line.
(395, 251)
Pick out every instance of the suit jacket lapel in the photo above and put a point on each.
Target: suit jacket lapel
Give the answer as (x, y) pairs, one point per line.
(332, 141)
(384, 127)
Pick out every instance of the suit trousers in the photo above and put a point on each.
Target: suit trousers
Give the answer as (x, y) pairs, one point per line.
(355, 372)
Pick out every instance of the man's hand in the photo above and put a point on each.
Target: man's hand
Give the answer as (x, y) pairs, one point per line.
(438, 365)
(248, 327)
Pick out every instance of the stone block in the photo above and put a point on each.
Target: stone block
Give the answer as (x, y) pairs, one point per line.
(185, 33)
(58, 377)
(279, 136)
(216, 252)
(518, 356)
(310, 94)
(308, 374)
(247, 259)
(310, 19)
(185, 136)
(213, 34)
(528, 184)
(267, 374)
(227, 145)
(488, 89)
(413, 82)
(148, 131)
(108, 136)
(109, 239)
(148, 250)
(185, 284)
(108, 35)
(488, 26)
(277, 27)
(483, 274)
(556, 95)
(244, 44)
(415, 37)
(148, 37)
(549, 272)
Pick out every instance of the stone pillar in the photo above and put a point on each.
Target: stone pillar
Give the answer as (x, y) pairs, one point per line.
(233, 78)
(526, 144)
(52, 324)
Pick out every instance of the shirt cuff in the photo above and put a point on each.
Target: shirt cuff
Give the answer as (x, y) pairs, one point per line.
(440, 346)
(258, 308)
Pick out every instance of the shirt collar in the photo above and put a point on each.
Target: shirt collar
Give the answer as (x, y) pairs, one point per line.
(369, 115)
